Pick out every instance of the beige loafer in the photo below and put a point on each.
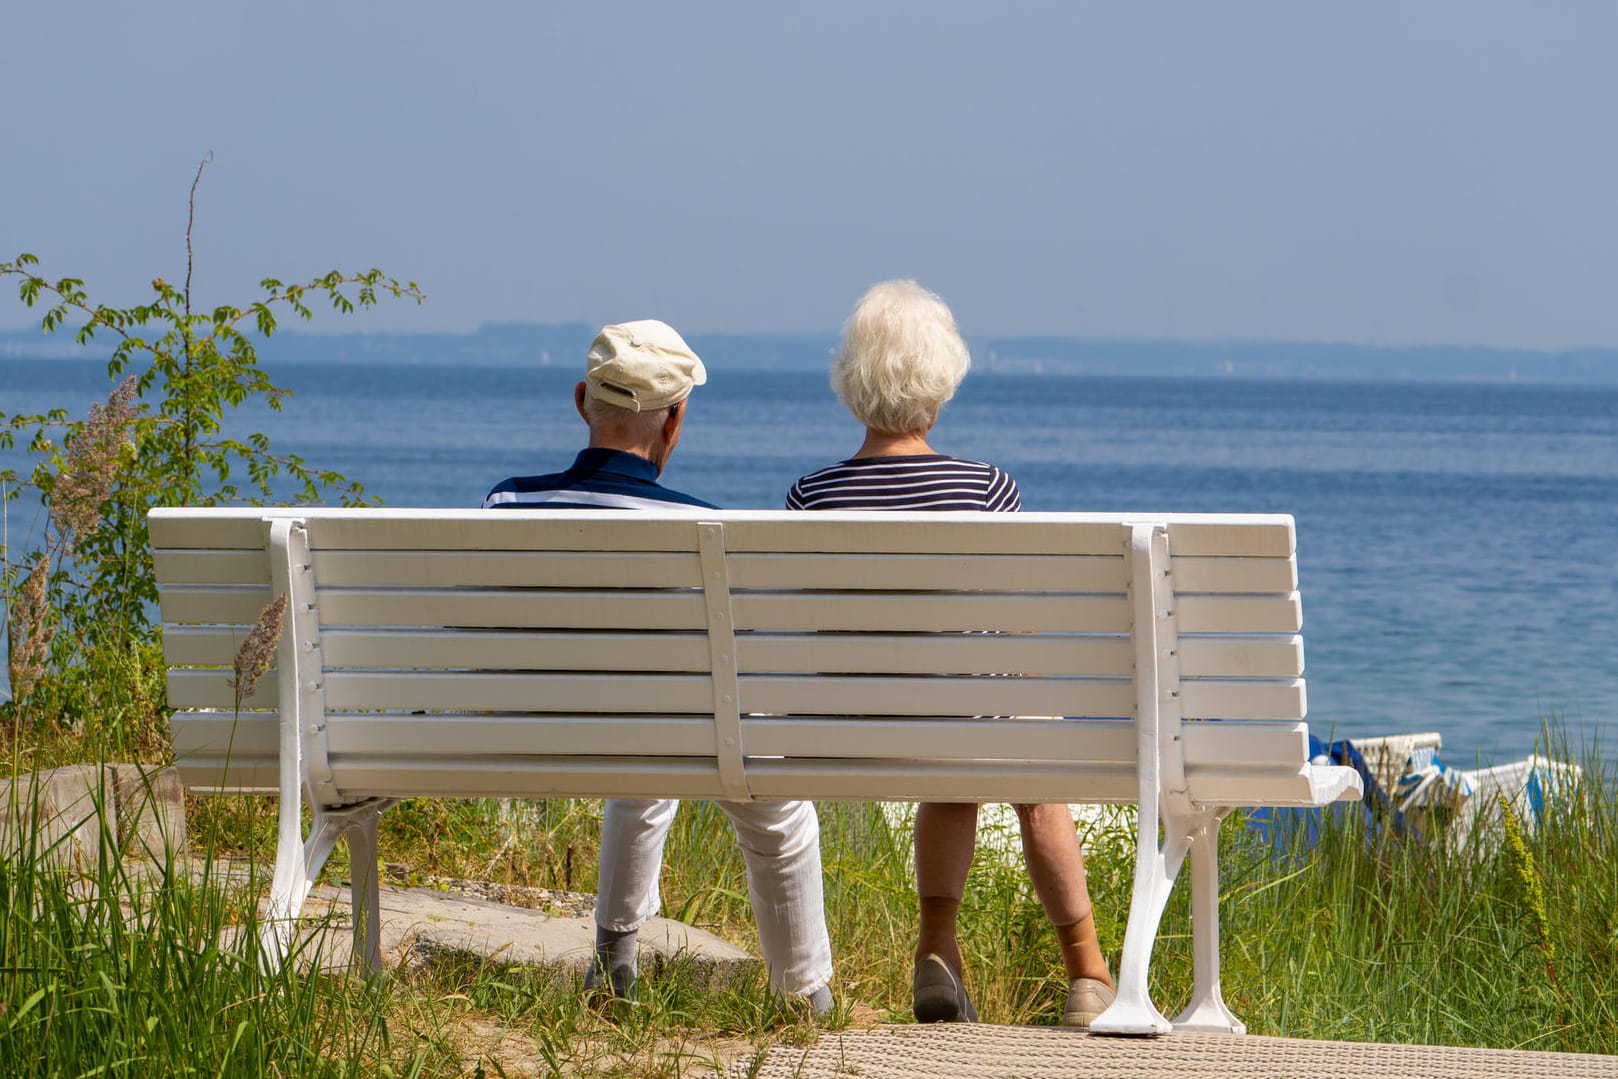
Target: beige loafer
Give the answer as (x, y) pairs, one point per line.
(937, 994)
(1086, 999)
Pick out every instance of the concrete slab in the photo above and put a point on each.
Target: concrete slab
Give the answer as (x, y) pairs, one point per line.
(151, 811)
(59, 816)
(66, 813)
(424, 925)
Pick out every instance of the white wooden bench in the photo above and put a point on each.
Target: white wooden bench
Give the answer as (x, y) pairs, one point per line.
(738, 654)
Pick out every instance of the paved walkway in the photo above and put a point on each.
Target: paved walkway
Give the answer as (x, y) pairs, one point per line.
(422, 924)
(983, 1051)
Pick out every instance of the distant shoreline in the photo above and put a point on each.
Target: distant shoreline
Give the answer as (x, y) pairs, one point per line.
(525, 344)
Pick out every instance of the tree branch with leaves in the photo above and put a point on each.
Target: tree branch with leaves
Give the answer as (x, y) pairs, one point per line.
(181, 373)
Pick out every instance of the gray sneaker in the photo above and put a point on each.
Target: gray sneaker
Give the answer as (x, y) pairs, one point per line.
(937, 993)
(613, 964)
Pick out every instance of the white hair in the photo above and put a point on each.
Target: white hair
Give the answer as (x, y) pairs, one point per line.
(900, 359)
(640, 428)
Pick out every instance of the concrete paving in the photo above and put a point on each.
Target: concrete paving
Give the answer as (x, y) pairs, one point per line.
(423, 925)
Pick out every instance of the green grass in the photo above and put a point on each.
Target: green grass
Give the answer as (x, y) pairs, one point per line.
(108, 973)
(1360, 937)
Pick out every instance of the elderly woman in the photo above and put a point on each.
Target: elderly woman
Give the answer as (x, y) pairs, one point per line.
(901, 359)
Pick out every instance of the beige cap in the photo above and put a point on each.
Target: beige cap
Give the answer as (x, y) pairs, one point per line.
(642, 366)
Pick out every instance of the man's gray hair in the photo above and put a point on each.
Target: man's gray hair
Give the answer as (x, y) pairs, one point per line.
(638, 428)
(900, 359)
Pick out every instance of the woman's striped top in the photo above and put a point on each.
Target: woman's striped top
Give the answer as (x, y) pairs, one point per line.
(927, 482)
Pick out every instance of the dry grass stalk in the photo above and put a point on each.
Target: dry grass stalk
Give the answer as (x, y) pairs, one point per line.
(31, 631)
(1529, 887)
(92, 464)
(254, 656)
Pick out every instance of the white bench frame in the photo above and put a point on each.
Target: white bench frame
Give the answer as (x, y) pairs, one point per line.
(1092, 622)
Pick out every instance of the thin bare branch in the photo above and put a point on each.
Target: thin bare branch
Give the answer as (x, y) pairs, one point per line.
(190, 219)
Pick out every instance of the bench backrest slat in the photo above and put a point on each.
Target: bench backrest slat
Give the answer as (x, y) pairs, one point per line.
(1190, 534)
(239, 605)
(1225, 613)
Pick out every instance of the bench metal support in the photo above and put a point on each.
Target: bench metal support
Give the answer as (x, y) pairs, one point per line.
(1163, 799)
(305, 774)
(1206, 1010)
(728, 750)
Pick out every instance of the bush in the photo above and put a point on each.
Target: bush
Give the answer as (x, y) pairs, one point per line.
(78, 608)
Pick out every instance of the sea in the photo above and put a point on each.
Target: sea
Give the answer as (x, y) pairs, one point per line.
(1457, 541)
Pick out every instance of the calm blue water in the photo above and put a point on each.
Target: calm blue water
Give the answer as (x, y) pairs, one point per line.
(1458, 543)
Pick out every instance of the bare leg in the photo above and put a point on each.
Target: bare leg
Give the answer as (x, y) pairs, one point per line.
(946, 834)
(1056, 867)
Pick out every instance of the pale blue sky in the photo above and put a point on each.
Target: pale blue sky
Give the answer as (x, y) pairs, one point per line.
(1369, 172)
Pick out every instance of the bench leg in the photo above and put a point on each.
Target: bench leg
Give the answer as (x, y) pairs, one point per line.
(364, 890)
(1207, 1010)
(295, 876)
(1155, 869)
(297, 863)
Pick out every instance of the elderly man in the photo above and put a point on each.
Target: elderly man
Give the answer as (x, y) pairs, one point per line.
(637, 378)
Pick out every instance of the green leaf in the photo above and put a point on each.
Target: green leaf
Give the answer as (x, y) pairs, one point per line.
(33, 999)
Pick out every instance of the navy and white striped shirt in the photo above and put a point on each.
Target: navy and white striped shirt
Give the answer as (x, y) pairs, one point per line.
(600, 479)
(926, 482)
